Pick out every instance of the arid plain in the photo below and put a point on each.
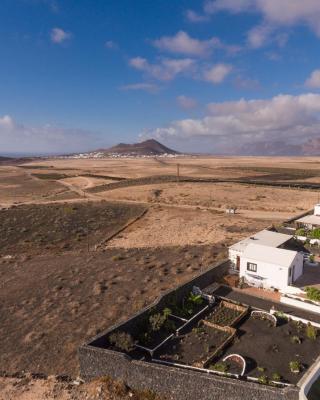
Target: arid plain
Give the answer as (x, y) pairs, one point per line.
(86, 242)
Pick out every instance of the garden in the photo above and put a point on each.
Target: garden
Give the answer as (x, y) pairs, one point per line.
(222, 338)
(273, 354)
(227, 314)
(197, 345)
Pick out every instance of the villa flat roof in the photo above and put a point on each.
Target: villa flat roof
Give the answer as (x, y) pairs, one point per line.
(272, 255)
(310, 219)
(265, 238)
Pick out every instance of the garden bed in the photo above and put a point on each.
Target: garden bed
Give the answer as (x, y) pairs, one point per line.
(227, 314)
(197, 346)
(190, 306)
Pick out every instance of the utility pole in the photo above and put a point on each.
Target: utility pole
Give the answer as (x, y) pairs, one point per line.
(87, 225)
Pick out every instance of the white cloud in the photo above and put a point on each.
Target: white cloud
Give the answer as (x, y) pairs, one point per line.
(276, 15)
(165, 70)
(21, 138)
(148, 87)
(284, 117)
(194, 17)
(314, 80)
(58, 35)
(217, 73)
(110, 44)
(187, 103)
(182, 43)
(259, 35)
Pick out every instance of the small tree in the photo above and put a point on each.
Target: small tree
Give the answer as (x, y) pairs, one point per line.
(122, 340)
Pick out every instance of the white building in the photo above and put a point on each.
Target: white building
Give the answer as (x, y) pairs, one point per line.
(308, 222)
(316, 210)
(270, 267)
(265, 238)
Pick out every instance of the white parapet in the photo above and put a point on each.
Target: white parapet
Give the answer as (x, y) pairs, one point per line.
(300, 304)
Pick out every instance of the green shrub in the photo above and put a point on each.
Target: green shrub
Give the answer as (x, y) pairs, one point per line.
(261, 369)
(300, 232)
(276, 377)
(122, 340)
(263, 379)
(311, 332)
(158, 320)
(295, 366)
(315, 233)
(313, 293)
(220, 366)
(295, 340)
(195, 299)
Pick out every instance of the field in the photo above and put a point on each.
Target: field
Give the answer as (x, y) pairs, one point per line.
(82, 245)
(52, 227)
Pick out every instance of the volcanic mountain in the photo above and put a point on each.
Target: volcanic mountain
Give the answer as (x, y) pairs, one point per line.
(147, 148)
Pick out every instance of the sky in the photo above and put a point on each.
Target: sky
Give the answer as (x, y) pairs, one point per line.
(203, 76)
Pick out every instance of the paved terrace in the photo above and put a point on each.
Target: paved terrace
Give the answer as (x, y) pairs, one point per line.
(257, 302)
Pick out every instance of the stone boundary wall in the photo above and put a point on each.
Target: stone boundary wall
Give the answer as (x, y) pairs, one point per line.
(123, 228)
(159, 179)
(175, 383)
(309, 379)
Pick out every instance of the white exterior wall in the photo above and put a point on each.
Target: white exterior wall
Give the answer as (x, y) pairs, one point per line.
(275, 276)
(317, 209)
(233, 254)
(298, 266)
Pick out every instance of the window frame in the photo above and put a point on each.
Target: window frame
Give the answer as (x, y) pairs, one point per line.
(252, 267)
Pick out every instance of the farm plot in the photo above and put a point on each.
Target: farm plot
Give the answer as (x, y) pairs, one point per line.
(227, 314)
(197, 346)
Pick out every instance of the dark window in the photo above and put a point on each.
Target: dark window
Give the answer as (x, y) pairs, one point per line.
(251, 267)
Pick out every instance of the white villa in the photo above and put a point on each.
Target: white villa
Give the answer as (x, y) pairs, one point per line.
(262, 262)
(270, 267)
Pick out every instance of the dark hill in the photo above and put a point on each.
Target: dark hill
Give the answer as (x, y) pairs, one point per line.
(147, 148)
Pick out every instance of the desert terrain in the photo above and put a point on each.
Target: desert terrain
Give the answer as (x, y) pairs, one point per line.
(85, 243)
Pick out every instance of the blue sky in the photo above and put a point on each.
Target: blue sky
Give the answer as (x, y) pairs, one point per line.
(202, 76)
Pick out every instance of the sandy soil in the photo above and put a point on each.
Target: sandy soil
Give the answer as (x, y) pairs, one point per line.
(50, 304)
(84, 182)
(30, 388)
(196, 166)
(220, 196)
(18, 186)
(171, 226)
